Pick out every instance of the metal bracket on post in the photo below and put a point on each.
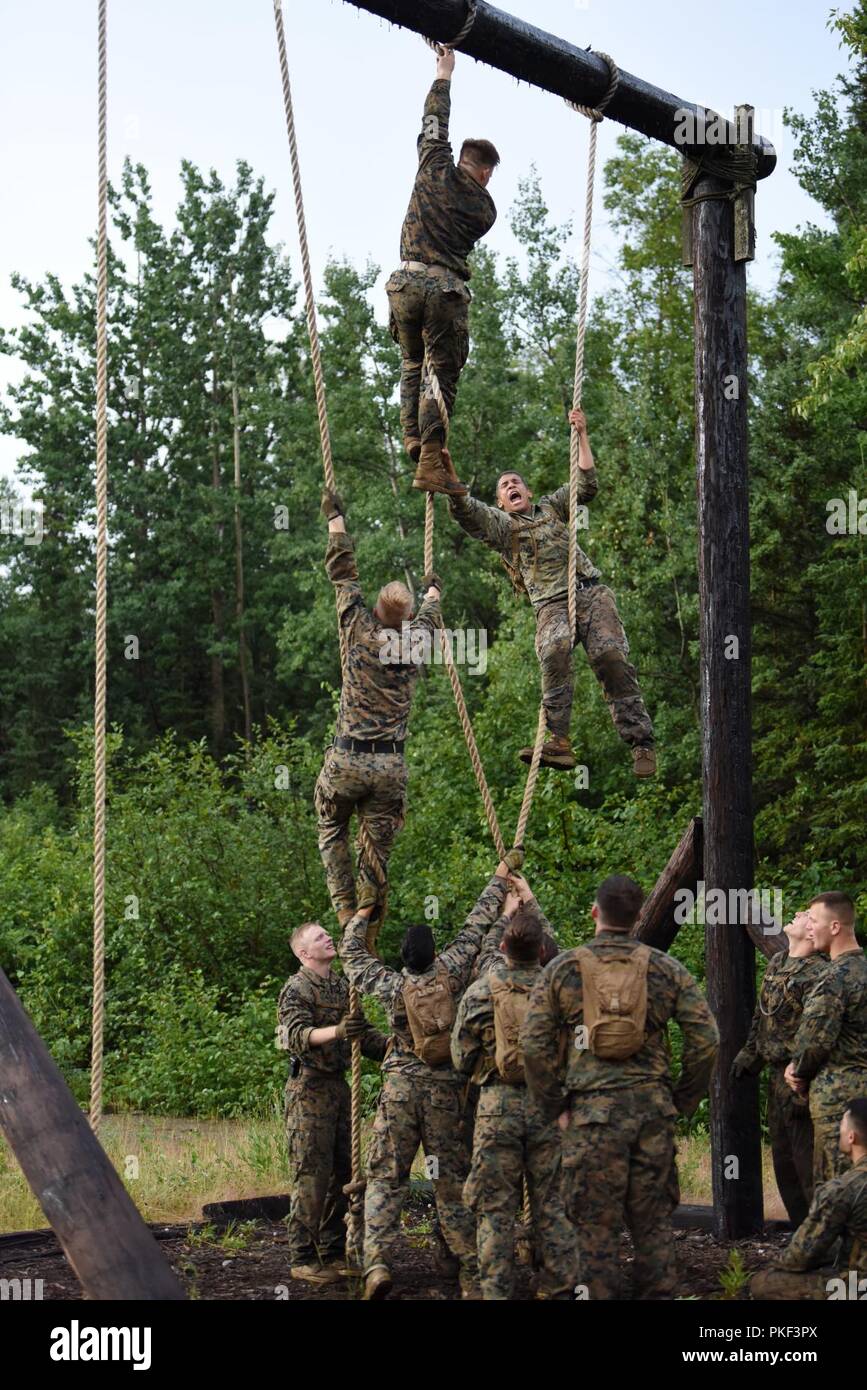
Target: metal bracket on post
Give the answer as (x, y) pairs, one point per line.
(734, 164)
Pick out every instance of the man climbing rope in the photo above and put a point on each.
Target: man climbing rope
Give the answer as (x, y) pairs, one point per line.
(534, 543)
(314, 1024)
(449, 211)
(421, 1097)
(364, 769)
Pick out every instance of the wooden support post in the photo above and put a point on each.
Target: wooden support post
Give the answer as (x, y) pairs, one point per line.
(724, 596)
(103, 1236)
(657, 925)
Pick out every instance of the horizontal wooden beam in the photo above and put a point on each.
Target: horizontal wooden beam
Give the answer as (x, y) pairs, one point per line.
(534, 56)
(103, 1236)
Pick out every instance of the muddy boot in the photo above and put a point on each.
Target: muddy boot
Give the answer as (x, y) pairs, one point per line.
(315, 1274)
(434, 474)
(644, 762)
(556, 752)
(377, 1283)
(412, 444)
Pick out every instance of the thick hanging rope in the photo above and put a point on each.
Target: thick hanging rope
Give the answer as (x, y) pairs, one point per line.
(456, 42)
(594, 115)
(98, 1020)
(355, 1189)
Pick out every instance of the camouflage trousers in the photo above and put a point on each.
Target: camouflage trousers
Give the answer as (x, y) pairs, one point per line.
(773, 1284)
(373, 785)
(414, 1110)
(509, 1146)
(830, 1094)
(429, 314)
(619, 1165)
(791, 1132)
(318, 1137)
(601, 633)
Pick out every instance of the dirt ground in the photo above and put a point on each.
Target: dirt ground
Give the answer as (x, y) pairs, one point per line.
(211, 1266)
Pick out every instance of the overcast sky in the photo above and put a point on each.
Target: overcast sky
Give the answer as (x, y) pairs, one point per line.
(197, 80)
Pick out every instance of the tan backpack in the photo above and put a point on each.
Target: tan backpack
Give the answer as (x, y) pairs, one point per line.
(511, 1001)
(615, 1001)
(430, 1012)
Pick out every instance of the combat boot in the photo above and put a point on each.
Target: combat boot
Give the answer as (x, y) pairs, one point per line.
(434, 473)
(556, 752)
(315, 1274)
(412, 444)
(377, 1283)
(644, 762)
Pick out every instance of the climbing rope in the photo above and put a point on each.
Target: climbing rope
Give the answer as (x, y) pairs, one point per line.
(456, 42)
(354, 1189)
(98, 1019)
(594, 115)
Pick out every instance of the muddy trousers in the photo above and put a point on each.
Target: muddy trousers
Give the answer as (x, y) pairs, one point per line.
(372, 785)
(791, 1130)
(619, 1167)
(601, 633)
(428, 315)
(318, 1138)
(414, 1110)
(812, 1284)
(510, 1146)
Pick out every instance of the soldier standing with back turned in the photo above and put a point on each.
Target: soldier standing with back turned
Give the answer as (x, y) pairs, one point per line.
(596, 1030)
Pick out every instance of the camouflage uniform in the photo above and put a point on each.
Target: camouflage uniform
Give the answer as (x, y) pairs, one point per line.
(448, 213)
(511, 1142)
(374, 707)
(317, 1113)
(788, 980)
(418, 1104)
(839, 1211)
(830, 1051)
(535, 546)
(618, 1148)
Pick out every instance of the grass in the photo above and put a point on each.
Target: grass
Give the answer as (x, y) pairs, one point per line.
(172, 1167)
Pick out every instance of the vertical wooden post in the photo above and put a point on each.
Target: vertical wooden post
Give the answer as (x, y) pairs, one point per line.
(102, 1234)
(724, 591)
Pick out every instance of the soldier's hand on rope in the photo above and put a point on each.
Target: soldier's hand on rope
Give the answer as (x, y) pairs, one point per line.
(521, 887)
(578, 421)
(431, 581)
(332, 505)
(512, 903)
(446, 63)
(350, 1026)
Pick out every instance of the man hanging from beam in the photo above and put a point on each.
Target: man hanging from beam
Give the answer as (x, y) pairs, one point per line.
(533, 540)
(364, 770)
(449, 211)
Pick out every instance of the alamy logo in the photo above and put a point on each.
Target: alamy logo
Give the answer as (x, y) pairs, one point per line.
(77, 1343)
(21, 1290)
(739, 906)
(417, 646)
(851, 1287)
(17, 519)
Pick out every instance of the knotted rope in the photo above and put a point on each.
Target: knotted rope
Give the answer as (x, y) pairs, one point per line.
(456, 42)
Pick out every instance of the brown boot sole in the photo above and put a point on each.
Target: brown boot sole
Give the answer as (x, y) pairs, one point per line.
(564, 761)
(446, 486)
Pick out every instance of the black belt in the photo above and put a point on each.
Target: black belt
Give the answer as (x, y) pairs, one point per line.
(368, 745)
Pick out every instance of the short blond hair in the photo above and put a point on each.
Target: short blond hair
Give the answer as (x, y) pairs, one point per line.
(297, 937)
(394, 604)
